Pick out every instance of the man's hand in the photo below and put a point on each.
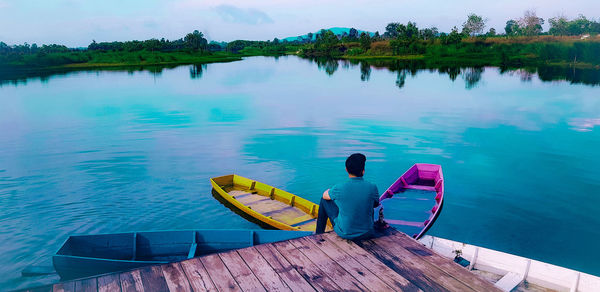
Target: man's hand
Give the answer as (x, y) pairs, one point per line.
(326, 195)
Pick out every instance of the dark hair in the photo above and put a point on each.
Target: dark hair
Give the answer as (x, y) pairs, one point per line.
(355, 164)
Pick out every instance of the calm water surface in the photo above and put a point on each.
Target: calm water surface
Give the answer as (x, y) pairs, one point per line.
(101, 152)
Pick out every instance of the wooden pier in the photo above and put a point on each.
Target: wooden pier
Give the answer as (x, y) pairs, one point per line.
(391, 262)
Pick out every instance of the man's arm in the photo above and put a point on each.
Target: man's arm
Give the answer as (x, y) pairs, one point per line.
(326, 195)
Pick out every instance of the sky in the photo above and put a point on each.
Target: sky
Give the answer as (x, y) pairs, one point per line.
(76, 23)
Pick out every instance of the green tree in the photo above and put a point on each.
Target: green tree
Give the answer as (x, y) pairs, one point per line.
(353, 34)
(408, 31)
(365, 41)
(196, 41)
(474, 24)
(428, 33)
(512, 27)
(454, 37)
(391, 30)
(559, 26)
(492, 32)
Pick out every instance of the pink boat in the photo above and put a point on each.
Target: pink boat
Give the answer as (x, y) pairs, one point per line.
(424, 177)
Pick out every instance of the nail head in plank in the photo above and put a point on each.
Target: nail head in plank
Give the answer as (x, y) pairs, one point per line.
(241, 272)
(175, 278)
(283, 268)
(219, 274)
(197, 275)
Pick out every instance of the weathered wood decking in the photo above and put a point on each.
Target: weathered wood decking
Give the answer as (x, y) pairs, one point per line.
(392, 262)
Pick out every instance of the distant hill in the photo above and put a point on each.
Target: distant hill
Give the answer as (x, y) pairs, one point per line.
(336, 30)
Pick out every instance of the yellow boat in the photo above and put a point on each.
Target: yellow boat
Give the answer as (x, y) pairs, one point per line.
(270, 205)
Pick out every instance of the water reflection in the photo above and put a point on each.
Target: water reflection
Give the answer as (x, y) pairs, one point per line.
(197, 70)
(471, 75)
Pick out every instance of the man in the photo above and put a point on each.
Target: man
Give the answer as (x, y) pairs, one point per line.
(349, 205)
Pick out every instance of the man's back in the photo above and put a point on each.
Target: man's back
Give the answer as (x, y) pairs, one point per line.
(355, 199)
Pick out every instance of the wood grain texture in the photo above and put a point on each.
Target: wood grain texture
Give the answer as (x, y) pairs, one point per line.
(109, 283)
(131, 281)
(219, 274)
(305, 267)
(384, 272)
(432, 271)
(445, 264)
(64, 287)
(197, 275)
(86, 285)
(262, 270)
(241, 272)
(175, 278)
(332, 269)
(153, 279)
(348, 263)
(427, 277)
(284, 268)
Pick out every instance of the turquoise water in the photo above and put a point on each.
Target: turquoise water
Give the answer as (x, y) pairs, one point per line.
(100, 152)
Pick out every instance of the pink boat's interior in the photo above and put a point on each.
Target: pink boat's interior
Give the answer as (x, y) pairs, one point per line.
(421, 176)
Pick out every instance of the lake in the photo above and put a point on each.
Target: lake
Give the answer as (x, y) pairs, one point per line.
(117, 151)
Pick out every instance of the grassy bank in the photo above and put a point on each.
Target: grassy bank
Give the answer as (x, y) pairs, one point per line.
(102, 59)
(478, 51)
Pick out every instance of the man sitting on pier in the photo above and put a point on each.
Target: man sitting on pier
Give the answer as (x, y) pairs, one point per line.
(349, 205)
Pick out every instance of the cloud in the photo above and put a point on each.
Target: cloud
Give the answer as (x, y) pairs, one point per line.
(234, 14)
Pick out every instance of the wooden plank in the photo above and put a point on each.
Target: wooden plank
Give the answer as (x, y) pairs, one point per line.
(175, 278)
(153, 279)
(348, 263)
(109, 283)
(283, 268)
(64, 287)
(449, 266)
(369, 261)
(305, 267)
(241, 272)
(406, 270)
(219, 274)
(332, 269)
(262, 270)
(197, 275)
(131, 281)
(87, 285)
(413, 266)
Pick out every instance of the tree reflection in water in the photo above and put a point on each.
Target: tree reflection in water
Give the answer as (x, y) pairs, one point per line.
(197, 70)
